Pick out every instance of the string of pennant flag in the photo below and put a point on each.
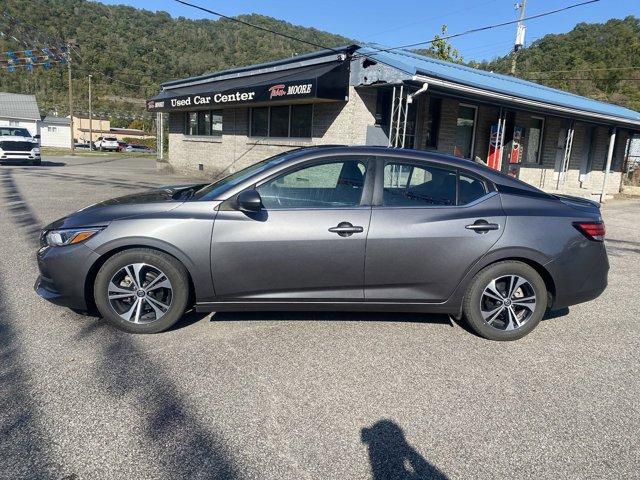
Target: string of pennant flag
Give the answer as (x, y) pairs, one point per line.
(27, 59)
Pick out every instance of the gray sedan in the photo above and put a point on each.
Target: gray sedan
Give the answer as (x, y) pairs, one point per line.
(332, 228)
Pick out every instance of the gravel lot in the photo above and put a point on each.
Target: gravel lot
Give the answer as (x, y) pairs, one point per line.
(324, 395)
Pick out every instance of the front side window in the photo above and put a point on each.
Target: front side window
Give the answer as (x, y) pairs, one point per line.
(330, 184)
(203, 123)
(282, 121)
(534, 142)
(411, 185)
(465, 130)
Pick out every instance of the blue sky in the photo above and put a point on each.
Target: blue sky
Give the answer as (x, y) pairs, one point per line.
(394, 23)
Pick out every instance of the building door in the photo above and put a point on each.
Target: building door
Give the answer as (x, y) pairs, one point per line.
(307, 243)
(588, 151)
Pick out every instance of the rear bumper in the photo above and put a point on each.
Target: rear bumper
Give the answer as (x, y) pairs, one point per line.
(63, 274)
(581, 277)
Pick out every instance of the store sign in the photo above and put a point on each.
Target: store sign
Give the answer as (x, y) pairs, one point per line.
(262, 93)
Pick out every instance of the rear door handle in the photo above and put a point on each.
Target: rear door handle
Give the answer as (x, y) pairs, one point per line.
(482, 226)
(345, 229)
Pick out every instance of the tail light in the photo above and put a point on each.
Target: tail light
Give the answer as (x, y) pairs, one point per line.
(592, 230)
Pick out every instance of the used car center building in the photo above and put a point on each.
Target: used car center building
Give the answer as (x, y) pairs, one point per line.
(356, 95)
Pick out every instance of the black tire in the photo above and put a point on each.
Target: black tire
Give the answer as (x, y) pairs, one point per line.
(471, 307)
(172, 268)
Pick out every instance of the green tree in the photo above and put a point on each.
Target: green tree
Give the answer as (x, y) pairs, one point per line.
(442, 49)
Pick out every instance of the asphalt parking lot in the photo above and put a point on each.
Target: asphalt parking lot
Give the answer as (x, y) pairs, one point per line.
(304, 396)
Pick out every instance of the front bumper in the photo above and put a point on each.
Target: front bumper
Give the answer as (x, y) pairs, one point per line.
(63, 274)
(7, 156)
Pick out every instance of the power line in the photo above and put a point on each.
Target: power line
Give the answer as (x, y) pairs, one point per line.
(405, 25)
(581, 70)
(488, 27)
(264, 29)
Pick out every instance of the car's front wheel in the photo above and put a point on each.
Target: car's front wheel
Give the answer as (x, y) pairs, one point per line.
(505, 301)
(142, 290)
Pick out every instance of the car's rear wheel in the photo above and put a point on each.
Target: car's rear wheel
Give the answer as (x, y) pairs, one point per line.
(505, 301)
(142, 290)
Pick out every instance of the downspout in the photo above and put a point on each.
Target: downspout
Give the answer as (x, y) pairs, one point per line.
(612, 142)
(410, 97)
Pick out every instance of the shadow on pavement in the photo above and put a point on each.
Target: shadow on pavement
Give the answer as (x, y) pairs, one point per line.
(391, 456)
(180, 443)
(45, 163)
(19, 210)
(23, 442)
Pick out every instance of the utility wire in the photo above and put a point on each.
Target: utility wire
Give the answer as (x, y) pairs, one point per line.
(258, 27)
(488, 27)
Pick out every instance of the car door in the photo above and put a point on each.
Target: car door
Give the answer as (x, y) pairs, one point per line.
(308, 241)
(429, 224)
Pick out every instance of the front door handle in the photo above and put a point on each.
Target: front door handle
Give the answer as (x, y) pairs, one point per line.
(482, 226)
(345, 229)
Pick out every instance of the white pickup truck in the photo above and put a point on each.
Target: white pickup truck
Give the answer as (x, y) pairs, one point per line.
(107, 143)
(17, 145)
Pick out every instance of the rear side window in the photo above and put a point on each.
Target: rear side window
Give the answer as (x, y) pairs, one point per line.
(470, 189)
(412, 185)
(428, 185)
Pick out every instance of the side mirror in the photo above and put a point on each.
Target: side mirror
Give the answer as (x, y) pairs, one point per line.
(37, 137)
(249, 201)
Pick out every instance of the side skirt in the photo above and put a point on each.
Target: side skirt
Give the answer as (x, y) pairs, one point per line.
(328, 307)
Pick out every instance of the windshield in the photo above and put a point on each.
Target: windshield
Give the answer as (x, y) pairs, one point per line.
(214, 190)
(14, 131)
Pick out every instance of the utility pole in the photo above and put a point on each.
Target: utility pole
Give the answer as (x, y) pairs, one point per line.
(519, 43)
(69, 43)
(90, 117)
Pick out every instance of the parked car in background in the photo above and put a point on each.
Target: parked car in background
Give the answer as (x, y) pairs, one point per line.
(442, 235)
(17, 145)
(138, 149)
(107, 144)
(122, 146)
(83, 146)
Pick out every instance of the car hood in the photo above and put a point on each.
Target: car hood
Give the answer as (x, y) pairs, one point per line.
(15, 138)
(158, 200)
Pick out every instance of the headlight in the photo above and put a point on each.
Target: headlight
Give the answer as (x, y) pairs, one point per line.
(69, 236)
(35, 149)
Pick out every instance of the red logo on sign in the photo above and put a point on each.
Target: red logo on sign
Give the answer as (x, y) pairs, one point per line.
(276, 91)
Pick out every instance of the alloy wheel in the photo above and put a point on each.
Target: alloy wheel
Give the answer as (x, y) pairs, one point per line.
(140, 293)
(508, 302)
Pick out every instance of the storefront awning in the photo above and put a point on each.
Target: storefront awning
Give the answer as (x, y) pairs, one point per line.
(312, 83)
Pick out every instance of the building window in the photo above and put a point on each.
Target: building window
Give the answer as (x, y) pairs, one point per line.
(534, 142)
(283, 121)
(465, 131)
(433, 123)
(52, 129)
(203, 123)
(14, 123)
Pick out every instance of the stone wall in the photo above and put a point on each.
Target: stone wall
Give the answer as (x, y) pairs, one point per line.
(333, 123)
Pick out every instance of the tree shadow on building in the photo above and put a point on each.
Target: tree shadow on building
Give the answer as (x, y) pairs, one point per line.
(391, 456)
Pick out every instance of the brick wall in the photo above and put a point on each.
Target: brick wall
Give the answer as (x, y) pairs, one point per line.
(333, 123)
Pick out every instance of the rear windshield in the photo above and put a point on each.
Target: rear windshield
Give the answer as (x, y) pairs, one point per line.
(111, 139)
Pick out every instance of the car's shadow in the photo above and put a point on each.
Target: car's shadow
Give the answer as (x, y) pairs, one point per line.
(331, 316)
(45, 163)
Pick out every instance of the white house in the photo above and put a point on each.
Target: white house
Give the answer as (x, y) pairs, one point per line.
(55, 132)
(18, 110)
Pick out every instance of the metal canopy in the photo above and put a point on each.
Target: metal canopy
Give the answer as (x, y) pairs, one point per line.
(310, 83)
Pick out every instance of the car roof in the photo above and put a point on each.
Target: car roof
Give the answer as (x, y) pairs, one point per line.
(409, 154)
